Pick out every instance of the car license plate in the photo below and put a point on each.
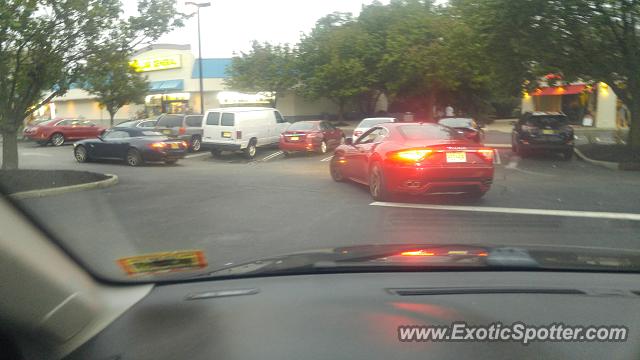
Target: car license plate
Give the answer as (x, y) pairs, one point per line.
(174, 146)
(456, 157)
(166, 132)
(295, 138)
(548, 132)
(226, 134)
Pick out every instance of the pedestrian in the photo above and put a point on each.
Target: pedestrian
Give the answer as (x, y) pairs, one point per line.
(449, 112)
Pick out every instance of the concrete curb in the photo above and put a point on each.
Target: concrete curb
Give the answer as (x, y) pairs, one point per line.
(111, 181)
(606, 164)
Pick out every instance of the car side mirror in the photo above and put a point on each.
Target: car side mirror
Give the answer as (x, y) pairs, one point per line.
(348, 141)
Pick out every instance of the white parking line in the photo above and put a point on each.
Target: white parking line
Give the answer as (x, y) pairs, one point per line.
(274, 155)
(327, 158)
(519, 211)
(197, 155)
(35, 154)
(497, 159)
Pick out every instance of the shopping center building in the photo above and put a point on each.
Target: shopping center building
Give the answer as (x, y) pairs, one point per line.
(173, 75)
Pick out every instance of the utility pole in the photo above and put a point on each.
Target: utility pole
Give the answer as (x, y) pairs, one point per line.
(200, 5)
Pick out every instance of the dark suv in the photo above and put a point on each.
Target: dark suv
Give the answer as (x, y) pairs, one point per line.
(544, 131)
(183, 127)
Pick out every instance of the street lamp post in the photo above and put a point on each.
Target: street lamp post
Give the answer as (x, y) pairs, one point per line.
(200, 5)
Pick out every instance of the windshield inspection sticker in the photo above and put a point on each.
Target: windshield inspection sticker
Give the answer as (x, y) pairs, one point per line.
(163, 262)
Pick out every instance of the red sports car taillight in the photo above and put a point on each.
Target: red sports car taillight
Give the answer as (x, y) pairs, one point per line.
(185, 145)
(411, 156)
(486, 154)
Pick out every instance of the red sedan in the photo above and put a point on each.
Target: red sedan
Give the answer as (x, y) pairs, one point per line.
(416, 159)
(58, 131)
(316, 136)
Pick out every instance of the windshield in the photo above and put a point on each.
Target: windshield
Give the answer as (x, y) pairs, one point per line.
(367, 123)
(302, 126)
(312, 127)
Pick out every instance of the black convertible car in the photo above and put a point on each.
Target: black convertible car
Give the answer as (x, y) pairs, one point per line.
(133, 145)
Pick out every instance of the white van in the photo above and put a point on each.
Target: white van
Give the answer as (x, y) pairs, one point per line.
(241, 128)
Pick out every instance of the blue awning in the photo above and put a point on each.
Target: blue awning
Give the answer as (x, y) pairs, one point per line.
(166, 85)
(211, 68)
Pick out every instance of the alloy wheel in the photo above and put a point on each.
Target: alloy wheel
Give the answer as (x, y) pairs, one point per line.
(57, 139)
(80, 154)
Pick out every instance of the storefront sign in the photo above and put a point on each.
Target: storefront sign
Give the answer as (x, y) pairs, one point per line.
(157, 63)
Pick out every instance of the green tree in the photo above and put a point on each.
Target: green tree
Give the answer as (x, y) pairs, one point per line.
(114, 81)
(265, 68)
(583, 39)
(45, 44)
(331, 61)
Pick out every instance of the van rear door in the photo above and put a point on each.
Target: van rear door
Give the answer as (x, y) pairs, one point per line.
(227, 127)
(211, 127)
(280, 126)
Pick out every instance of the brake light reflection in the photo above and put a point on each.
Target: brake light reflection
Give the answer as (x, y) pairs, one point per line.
(426, 252)
(417, 253)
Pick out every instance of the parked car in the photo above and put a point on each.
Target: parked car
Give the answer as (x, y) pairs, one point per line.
(466, 126)
(183, 127)
(368, 123)
(242, 128)
(416, 159)
(58, 131)
(542, 131)
(143, 124)
(316, 136)
(135, 146)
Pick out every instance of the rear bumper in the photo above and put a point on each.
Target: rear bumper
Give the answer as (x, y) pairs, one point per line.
(151, 155)
(297, 146)
(545, 146)
(425, 180)
(221, 146)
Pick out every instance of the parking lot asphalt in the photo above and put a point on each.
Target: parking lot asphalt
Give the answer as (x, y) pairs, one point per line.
(238, 210)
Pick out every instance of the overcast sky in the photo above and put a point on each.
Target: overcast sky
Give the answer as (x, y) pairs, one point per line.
(229, 26)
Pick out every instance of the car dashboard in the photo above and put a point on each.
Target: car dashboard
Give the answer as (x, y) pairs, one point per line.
(357, 315)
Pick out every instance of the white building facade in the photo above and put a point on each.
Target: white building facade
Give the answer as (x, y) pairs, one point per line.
(173, 75)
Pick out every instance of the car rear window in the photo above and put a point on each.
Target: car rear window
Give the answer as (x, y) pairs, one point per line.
(428, 132)
(213, 118)
(456, 122)
(228, 119)
(542, 121)
(301, 126)
(194, 121)
(170, 121)
(373, 122)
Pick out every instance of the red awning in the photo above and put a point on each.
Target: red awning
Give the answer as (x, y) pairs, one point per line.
(559, 90)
